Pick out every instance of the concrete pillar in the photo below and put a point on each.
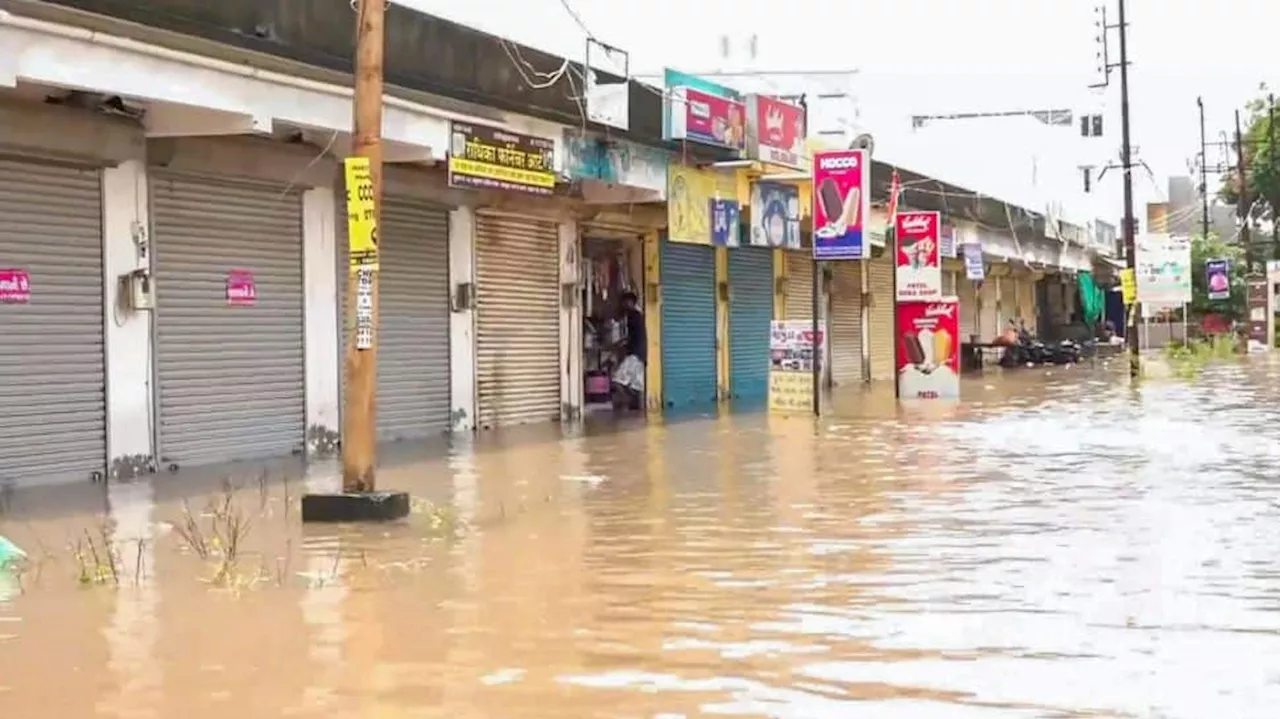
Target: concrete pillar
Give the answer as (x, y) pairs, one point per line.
(323, 369)
(571, 389)
(126, 247)
(462, 320)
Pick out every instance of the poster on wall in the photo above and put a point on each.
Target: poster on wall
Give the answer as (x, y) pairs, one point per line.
(928, 353)
(974, 269)
(726, 223)
(947, 241)
(793, 350)
(242, 291)
(15, 287)
(1217, 279)
(775, 215)
(841, 204)
(919, 262)
(489, 158)
(689, 195)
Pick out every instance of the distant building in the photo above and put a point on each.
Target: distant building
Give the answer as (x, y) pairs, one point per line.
(1183, 213)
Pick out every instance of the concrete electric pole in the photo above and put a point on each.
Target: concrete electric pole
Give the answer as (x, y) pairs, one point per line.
(1204, 174)
(1242, 200)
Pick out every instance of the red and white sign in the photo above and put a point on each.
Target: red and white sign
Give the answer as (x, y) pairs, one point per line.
(15, 287)
(242, 291)
(919, 262)
(701, 117)
(775, 132)
(928, 349)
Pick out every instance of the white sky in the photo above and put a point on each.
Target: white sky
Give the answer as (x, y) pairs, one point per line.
(942, 56)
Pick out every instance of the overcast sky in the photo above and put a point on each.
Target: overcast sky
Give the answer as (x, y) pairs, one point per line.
(944, 56)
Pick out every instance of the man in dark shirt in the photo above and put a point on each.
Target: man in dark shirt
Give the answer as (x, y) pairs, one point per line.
(629, 376)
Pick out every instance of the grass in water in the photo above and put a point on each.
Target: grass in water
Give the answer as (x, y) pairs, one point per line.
(1187, 361)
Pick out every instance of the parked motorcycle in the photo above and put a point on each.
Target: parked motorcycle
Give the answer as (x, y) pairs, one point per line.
(1029, 351)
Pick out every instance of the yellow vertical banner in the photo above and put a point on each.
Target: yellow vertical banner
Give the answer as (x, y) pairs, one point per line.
(653, 320)
(362, 223)
(1128, 286)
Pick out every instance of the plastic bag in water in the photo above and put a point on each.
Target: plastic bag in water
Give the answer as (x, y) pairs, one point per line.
(10, 553)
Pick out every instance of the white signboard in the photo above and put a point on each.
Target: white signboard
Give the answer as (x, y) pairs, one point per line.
(1163, 270)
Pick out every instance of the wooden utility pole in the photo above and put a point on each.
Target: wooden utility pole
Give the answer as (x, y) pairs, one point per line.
(1271, 167)
(359, 417)
(1242, 198)
(1130, 222)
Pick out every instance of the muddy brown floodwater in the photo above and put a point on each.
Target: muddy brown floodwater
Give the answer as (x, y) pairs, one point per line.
(1058, 545)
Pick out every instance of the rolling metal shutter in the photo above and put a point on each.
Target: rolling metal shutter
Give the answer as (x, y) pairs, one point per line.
(518, 322)
(800, 286)
(230, 378)
(991, 324)
(881, 331)
(750, 315)
(52, 369)
(688, 324)
(1027, 303)
(967, 290)
(413, 318)
(846, 323)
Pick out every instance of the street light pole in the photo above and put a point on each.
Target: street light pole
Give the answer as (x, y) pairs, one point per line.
(1126, 159)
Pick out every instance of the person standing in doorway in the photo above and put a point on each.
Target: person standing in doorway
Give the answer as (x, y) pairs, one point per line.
(628, 378)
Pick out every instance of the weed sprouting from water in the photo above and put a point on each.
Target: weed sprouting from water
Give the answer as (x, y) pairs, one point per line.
(1189, 360)
(217, 535)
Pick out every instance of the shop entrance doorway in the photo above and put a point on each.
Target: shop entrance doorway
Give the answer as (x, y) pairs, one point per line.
(614, 341)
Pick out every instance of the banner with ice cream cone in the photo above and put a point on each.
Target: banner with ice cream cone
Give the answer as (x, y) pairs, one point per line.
(928, 349)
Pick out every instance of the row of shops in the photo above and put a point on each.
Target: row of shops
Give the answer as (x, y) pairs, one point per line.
(174, 281)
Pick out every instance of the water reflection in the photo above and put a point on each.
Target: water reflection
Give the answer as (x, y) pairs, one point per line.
(1057, 544)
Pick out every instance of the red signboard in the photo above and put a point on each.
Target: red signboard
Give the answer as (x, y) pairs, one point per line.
(699, 116)
(775, 132)
(15, 287)
(928, 349)
(919, 264)
(242, 291)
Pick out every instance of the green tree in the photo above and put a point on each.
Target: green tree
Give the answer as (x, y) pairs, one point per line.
(1262, 166)
(1213, 248)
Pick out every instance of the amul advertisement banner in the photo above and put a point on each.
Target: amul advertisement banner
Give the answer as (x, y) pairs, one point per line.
(919, 260)
(841, 204)
(775, 132)
(928, 349)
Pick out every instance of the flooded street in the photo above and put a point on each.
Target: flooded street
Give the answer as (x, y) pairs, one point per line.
(1058, 545)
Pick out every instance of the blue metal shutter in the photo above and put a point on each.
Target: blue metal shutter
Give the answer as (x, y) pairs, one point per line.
(750, 312)
(688, 324)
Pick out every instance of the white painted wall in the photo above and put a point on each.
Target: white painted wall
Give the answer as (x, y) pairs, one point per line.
(125, 225)
(571, 389)
(320, 312)
(462, 327)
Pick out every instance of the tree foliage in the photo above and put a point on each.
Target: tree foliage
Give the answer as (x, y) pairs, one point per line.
(1213, 248)
(1261, 159)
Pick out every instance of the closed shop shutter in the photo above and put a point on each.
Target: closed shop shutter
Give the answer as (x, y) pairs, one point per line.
(991, 325)
(750, 314)
(52, 386)
(948, 283)
(882, 331)
(1027, 302)
(846, 323)
(968, 293)
(413, 319)
(800, 286)
(688, 324)
(518, 321)
(230, 378)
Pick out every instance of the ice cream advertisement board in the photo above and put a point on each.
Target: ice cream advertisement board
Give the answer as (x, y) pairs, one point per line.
(928, 349)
